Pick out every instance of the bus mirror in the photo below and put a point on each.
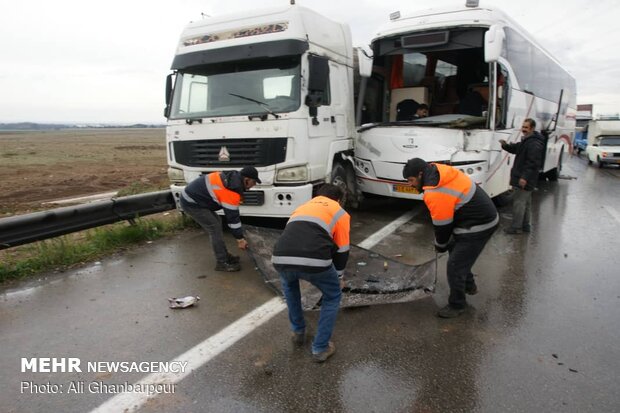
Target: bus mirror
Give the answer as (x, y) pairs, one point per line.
(364, 62)
(493, 43)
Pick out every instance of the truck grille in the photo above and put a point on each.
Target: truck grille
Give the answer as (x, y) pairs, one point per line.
(242, 152)
(253, 198)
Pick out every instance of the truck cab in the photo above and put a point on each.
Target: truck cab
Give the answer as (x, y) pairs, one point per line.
(268, 88)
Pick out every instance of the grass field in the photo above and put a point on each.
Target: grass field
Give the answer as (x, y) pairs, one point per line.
(41, 166)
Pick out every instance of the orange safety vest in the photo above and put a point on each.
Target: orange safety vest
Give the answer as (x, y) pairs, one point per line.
(453, 191)
(220, 194)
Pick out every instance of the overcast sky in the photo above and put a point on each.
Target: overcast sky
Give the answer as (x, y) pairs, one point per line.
(106, 61)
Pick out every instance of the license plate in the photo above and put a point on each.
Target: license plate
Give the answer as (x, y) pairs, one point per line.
(405, 189)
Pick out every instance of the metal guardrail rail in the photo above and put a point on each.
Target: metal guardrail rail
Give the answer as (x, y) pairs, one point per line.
(23, 229)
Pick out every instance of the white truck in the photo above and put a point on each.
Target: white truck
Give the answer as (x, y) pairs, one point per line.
(268, 88)
(603, 142)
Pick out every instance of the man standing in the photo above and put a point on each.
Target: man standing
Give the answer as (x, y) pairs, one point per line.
(524, 174)
(464, 219)
(220, 190)
(315, 247)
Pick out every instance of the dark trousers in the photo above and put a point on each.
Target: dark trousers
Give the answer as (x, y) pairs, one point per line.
(463, 256)
(521, 208)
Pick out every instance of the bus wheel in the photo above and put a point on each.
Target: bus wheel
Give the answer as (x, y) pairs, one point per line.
(344, 177)
(554, 174)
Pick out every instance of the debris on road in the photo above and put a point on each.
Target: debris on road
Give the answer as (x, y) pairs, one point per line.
(370, 278)
(183, 302)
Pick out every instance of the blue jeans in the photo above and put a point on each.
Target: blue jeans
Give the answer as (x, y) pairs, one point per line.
(327, 282)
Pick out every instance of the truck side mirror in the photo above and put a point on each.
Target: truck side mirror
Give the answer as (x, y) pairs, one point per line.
(168, 94)
(318, 83)
(493, 43)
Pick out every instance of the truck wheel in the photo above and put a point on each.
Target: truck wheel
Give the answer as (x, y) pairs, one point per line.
(554, 174)
(345, 178)
(600, 164)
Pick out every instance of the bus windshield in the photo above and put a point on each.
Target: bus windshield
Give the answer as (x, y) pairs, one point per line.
(237, 88)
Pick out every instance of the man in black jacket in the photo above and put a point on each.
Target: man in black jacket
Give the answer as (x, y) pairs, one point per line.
(205, 195)
(524, 174)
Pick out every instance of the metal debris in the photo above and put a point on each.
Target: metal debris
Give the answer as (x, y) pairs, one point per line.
(183, 302)
(369, 278)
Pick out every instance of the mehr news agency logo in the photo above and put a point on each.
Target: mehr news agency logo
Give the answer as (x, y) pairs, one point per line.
(74, 365)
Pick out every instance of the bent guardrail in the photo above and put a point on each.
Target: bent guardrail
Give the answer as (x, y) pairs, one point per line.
(37, 226)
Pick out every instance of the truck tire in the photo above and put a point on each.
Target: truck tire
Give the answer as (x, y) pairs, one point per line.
(600, 163)
(344, 177)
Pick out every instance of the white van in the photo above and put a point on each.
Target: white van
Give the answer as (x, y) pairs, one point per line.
(603, 142)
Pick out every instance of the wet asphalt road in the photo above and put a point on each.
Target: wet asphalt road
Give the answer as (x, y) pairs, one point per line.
(542, 334)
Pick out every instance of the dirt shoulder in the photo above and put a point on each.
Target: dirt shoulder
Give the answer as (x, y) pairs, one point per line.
(41, 166)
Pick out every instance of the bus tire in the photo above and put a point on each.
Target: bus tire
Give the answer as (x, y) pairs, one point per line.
(554, 174)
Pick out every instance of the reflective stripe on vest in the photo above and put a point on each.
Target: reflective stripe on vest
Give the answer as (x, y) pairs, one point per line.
(306, 262)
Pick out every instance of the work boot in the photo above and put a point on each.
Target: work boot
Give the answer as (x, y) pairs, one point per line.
(526, 228)
(227, 266)
(232, 259)
(324, 355)
(450, 312)
(298, 339)
(471, 289)
(511, 231)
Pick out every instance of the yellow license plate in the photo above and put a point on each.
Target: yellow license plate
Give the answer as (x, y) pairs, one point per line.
(405, 189)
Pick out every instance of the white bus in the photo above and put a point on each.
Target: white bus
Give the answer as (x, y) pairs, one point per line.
(481, 75)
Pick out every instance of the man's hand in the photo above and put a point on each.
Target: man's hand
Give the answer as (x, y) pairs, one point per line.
(502, 142)
(342, 284)
(242, 244)
(522, 183)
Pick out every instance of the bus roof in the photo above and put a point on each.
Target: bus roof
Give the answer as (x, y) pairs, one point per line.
(436, 18)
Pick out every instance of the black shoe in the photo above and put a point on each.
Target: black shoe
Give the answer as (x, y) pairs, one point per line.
(227, 266)
(472, 289)
(298, 339)
(324, 355)
(526, 228)
(450, 312)
(232, 259)
(511, 231)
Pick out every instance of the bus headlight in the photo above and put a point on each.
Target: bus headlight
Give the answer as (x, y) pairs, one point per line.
(292, 174)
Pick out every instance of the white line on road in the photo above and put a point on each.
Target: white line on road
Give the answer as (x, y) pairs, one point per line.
(375, 238)
(216, 344)
(612, 211)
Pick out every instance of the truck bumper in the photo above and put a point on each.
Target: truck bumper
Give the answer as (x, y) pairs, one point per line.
(277, 201)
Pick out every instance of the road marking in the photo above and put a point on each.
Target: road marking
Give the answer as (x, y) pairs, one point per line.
(202, 353)
(197, 356)
(375, 238)
(612, 212)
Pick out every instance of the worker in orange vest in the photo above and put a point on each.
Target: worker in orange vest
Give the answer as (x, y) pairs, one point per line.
(315, 247)
(220, 190)
(464, 218)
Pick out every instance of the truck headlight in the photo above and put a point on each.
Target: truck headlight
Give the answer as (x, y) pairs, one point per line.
(176, 176)
(292, 174)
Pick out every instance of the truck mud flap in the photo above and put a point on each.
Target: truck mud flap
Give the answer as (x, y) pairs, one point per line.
(370, 278)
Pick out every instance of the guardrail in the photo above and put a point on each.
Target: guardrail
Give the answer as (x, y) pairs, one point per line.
(22, 229)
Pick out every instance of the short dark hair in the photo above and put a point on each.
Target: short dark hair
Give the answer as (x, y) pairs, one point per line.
(423, 106)
(413, 167)
(331, 191)
(531, 121)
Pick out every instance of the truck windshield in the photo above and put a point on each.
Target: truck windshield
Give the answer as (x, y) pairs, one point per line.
(610, 141)
(212, 90)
